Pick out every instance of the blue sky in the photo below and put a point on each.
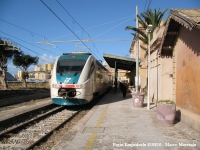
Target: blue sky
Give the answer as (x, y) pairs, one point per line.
(25, 22)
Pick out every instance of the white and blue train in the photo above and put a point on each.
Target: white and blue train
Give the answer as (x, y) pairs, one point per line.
(77, 78)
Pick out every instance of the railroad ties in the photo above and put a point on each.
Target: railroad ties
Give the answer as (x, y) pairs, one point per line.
(30, 135)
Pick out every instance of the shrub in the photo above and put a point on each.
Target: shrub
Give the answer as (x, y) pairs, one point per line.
(165, 102)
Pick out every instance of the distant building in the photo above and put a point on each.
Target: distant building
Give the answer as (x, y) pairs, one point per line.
(42, 76)
(47, 67)
(19, 74)
(38, 68)
(40, 72)
(32, 75)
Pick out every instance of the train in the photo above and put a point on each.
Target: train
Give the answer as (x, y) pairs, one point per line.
(77, 78)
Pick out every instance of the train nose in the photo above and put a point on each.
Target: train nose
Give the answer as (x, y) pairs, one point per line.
(67, 92)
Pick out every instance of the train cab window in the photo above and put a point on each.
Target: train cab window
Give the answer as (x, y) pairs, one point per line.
(70, 66)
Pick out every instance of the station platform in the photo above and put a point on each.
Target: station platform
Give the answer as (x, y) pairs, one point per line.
(115, 124)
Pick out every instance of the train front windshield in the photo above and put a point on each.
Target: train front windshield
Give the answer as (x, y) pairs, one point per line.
(70, 66)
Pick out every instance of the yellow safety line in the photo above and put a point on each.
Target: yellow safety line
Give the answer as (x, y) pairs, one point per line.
(93, 136)
(102, 117)
(90, 141)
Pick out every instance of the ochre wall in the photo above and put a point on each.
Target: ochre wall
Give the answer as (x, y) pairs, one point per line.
(187, 67)
(155, 84)
(166, 78)
(143, 64)
(161, 80)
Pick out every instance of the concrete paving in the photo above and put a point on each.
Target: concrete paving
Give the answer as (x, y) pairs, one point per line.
(115, 124)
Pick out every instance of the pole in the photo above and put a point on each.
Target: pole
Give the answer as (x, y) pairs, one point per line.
(115, 76)
(148, 99)
(137, 51)
(115, 71)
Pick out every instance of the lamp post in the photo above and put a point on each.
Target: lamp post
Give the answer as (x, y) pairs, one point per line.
(148, 30)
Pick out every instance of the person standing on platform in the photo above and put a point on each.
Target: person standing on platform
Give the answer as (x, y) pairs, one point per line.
(123, 88)
(115, 84)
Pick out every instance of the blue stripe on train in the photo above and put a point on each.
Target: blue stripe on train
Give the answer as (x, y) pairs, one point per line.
(68, 101)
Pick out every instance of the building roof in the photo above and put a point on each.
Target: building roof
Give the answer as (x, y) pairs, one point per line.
(7, 45)
(9, 77)
(124, 63)
(189, 18)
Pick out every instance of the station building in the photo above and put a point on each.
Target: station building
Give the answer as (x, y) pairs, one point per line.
(175, 64)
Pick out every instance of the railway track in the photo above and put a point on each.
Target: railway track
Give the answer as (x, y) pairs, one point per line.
(27, 134)
(15, 95)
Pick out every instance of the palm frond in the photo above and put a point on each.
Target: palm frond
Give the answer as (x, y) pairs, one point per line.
(146, 18)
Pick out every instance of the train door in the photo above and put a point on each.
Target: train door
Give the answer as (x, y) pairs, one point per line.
(90, 75)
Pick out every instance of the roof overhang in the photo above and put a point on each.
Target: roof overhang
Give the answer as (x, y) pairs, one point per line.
(188, 18)
(123, 63)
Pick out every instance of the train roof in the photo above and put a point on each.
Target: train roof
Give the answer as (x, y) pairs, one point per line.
(77, 53)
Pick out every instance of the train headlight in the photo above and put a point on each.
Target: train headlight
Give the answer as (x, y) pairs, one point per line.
(55, 86)
(73, 93)
(79, 86)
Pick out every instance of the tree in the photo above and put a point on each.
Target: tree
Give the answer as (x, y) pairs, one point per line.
(23, 62)
(7, 52)
(149, 17)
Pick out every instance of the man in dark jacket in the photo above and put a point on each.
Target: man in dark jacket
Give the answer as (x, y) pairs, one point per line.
(123, 89)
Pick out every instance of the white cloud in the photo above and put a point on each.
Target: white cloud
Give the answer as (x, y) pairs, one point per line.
(45, 59)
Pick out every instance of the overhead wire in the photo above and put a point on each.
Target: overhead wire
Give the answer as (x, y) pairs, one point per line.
(149, 4)
(25, 42)
(20, 27)
(66, 25)
(145, 5)
(94, 26)
(38, 54)
(112, 28)
(31, 32)
(91, 39)
(78, 24)
(19, 45)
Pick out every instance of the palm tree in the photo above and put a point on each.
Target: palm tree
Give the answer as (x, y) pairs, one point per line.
(146, 18)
